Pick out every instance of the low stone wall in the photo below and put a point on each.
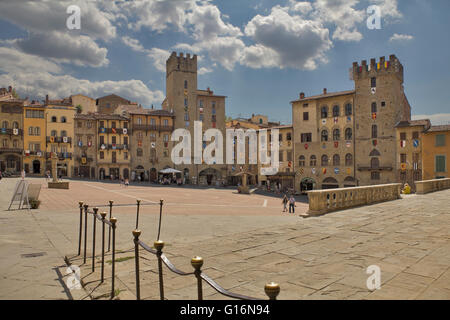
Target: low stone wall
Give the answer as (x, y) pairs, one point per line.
(323, 201)
(427, 186)
(58, 185)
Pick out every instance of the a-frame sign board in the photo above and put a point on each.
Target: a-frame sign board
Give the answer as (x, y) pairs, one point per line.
(21, 195)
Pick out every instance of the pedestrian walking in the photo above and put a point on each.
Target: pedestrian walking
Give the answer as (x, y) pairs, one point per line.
(285, 202)
(292, 204)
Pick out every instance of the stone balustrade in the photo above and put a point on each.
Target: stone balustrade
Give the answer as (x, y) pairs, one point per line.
(323, 201)
(427, 186)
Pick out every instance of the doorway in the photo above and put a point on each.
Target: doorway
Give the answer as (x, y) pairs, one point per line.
(36, 167)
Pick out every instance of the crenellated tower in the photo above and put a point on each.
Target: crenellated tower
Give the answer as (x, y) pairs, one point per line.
(380, 103)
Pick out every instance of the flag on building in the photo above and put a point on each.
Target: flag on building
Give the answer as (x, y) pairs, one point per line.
(402, 143)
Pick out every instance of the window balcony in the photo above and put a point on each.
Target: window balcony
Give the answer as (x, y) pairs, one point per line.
(114, 130)
(11, 132)
(56, 139)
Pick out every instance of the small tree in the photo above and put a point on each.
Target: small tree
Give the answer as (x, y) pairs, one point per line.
(79, 108)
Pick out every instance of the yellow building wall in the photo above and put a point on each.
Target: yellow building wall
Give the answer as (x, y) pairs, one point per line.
(429, 153)
(33, 155)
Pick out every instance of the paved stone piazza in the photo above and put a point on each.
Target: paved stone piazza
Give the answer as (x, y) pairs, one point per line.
(245, 241)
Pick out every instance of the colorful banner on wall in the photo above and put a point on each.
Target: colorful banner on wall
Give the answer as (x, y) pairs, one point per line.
(125, 131)
(402, 143)
(15, 131)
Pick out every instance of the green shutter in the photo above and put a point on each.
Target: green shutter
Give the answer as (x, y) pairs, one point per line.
(440, 140)
(440, 163)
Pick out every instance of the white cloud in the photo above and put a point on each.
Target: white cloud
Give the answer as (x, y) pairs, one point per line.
(14, 61)
(65, 47)
(285, 40)
(436, 119)
(159, 57)
(133, 44)
(400, 37)
(389, 9)
(204, 70)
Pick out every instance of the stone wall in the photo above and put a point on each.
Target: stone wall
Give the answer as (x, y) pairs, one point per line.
(427, 186)
(323, 201)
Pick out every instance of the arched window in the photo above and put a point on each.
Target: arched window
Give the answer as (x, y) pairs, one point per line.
(324, 135)
(54, 119)
(374, 107)
(5, 124)
(15, 125)
(139, 152)
(336, 111)
(348, 109)
(374, 163)
(374, 131)
(63, 133)
(313, 161)
(348, 134)
(53, 133)
(301, 161)
(348, 159)
(324, 112)
(30, 131)
(37, 131)
(63, 119)
(185, 84)
(336, 160)
(324, 160)
(336, 135)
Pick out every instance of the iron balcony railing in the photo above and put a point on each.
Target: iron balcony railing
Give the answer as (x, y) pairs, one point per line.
(113, 147)
(60, 155)
(10, 150)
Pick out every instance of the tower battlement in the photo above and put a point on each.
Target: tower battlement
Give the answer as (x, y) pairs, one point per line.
(374, 68)
(181, 62)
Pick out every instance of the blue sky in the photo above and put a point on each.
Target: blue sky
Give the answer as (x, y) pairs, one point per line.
(260, 54)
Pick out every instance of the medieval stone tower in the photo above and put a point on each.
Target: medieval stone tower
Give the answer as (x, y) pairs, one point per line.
(181, 89)
(380, 103)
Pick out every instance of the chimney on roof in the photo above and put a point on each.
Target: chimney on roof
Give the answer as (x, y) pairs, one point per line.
(302, 95)
(46, 98)
(324, 90)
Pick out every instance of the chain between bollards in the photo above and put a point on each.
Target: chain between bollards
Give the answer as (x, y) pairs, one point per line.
(197, 263)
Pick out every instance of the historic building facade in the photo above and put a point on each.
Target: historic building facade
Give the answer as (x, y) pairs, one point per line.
(85, 146)
(190, 104)
(34, 138)
(11, 133)
(436, 152)
(59, 125)
(113, 146)
(151, 143)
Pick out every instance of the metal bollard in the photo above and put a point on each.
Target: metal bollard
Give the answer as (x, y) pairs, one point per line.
(272, 290)
(80, 203)
(136, 234)
(159, 245)
(94, 227)
(103, 214)
(113, 222)
(160, 216)
(85, 231)
(110, 216)
(138, 204)
(197, 263)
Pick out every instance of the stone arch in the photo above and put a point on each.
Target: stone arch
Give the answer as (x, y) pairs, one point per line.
(330, 183)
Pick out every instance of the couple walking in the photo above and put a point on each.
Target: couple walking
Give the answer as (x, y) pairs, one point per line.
(291, 202)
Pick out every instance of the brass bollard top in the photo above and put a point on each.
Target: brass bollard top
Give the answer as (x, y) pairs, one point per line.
(161, 201)
(158, 244)
(85, 206)
(272, 290)
(80, 203)
(113, 220)
(138, 201)
(111, 202)
(136, 233)
(103, 214)
(197, 262)
(95, 209)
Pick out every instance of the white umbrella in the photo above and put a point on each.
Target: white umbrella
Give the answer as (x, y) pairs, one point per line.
(169, 170)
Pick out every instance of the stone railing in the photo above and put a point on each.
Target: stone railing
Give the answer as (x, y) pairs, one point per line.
(323, 201)
(427, 186)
